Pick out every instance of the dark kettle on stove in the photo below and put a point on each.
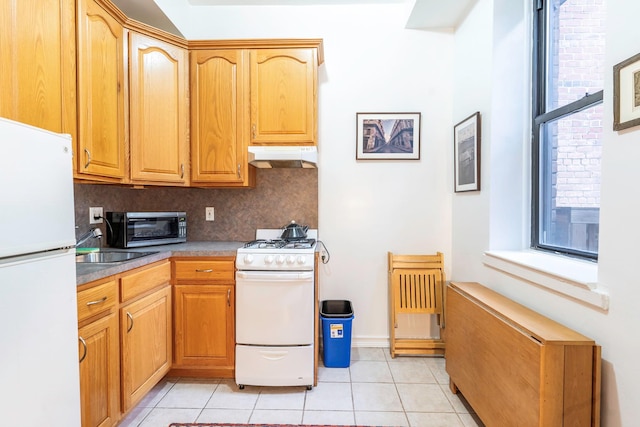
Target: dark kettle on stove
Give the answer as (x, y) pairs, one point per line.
(294, 231)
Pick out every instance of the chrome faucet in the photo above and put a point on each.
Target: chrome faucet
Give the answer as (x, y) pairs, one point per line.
(93, 233)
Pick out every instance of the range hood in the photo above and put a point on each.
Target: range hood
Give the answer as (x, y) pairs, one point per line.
(285, 156)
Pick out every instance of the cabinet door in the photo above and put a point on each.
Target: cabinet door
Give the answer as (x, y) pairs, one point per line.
(101, 137)
(99, 372)
(145, 329)
(219, 111)
(283, 96)
(204, 322)
(37, 76)
(158, 79)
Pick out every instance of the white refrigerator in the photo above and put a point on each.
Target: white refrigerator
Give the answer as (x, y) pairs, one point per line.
(39, 372)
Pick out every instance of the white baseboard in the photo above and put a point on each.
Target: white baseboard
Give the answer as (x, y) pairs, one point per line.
(364, 341)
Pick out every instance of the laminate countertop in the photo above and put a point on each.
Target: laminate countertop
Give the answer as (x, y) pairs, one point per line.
(88, 272)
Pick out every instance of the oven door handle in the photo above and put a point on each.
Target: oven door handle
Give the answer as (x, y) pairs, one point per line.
(282, 276)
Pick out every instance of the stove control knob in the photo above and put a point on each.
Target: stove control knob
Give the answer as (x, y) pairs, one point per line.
(302, 260)
(268, 259)
(248, 259)
(291, 259)
(280, 259)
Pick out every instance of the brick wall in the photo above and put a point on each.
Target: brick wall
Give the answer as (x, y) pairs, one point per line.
(578, 70)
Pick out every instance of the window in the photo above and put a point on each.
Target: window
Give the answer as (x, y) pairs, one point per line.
(568, 79)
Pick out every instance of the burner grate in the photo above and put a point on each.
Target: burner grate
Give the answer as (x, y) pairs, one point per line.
(280, 244)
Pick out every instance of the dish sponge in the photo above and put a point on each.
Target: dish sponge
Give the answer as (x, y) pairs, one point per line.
(86, 250)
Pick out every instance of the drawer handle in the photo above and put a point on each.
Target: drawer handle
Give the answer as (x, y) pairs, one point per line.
(84, 344)
(131, 325)
(208, 270)
(100, 301)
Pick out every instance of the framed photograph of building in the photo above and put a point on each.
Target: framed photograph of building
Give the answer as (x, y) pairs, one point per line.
(626, 93)
(388, 136)
(466, 154)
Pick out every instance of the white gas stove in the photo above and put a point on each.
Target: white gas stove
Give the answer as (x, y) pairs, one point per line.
(275, 310)
(271, 253)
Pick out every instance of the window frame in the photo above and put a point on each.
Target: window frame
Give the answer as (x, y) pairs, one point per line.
(540, 116)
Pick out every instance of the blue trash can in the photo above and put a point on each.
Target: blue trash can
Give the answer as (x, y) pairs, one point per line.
(336, 318)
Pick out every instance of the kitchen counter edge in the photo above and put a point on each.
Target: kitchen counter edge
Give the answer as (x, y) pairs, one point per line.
(87, 272)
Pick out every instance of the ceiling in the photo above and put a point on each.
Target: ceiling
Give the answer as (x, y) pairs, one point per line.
(426, 14)
(285, 2)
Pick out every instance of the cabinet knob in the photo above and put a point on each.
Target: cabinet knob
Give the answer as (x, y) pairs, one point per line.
(253, 131)
(181, 170)
(239, 175)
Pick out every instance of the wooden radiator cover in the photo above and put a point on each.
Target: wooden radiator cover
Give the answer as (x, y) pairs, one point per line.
(516, 367)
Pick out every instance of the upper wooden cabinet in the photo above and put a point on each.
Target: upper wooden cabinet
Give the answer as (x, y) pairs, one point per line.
(101, 131)
(146, 107)
(37, 52)
(219, 118)
(158, 111)
(283, 96)
(249, 92)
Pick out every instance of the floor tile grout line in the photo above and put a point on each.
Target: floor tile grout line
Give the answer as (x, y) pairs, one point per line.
(208, 400)
(395, 385)
(435, 369)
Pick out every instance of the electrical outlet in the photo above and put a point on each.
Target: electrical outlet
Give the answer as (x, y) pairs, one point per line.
(95, 216)
(208, 214)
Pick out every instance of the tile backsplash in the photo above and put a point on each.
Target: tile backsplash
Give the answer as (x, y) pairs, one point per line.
(280, 195)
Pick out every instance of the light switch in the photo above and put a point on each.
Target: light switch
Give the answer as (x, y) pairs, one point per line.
(209, 214)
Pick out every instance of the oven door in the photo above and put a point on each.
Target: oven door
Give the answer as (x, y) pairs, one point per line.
(275, 308)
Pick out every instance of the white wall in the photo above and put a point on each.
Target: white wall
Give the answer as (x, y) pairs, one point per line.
(503, 203)
(366, 208)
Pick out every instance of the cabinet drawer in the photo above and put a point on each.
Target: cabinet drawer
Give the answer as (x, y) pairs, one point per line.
(97, 299)
(144, 279)
(209, 270)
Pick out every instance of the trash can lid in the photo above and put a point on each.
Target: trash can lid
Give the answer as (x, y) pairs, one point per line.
(336, 308)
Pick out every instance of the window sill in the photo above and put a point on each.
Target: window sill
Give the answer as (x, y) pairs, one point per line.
(573, 278)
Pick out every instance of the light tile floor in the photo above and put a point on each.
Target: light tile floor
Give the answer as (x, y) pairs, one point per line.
(374, 390)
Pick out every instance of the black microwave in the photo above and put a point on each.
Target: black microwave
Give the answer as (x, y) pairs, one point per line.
(135, 229)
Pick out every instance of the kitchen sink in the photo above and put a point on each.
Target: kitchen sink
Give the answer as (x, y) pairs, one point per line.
(108, 257)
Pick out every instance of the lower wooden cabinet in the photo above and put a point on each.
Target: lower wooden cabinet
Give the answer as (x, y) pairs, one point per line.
(145, 333)
(99, 372)
(99, 353)
(124, 340)
(204, 317)
(126, 335)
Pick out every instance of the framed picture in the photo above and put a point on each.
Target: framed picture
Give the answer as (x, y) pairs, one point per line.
(466, 154)
(626, 93)
(388, 136)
